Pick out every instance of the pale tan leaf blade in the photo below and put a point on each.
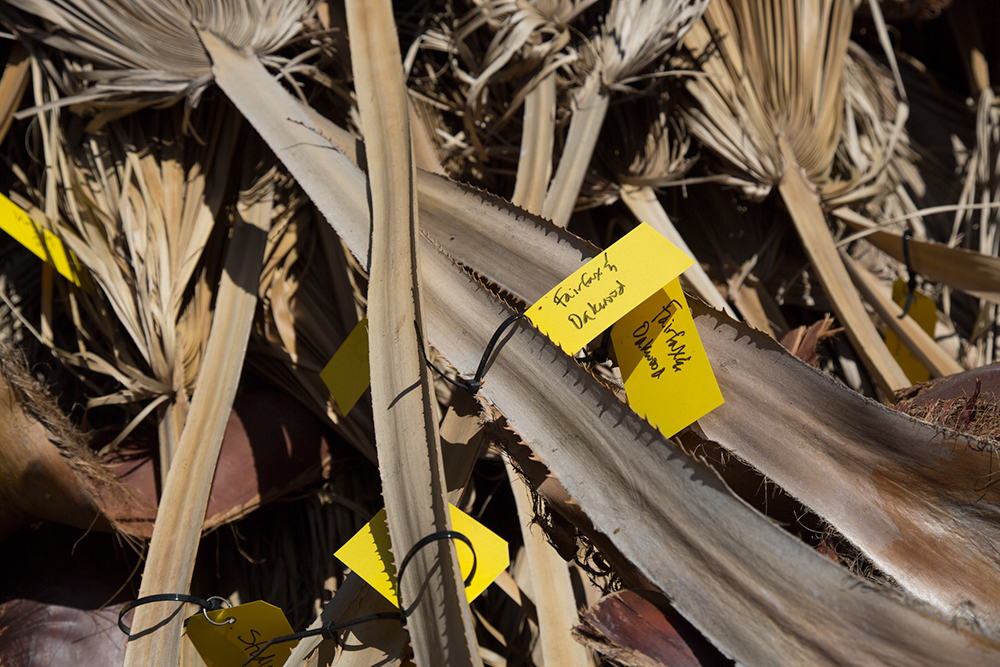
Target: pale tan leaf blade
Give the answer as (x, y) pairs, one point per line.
(176, 534)
(972, 272)
(289, 131)
(551, 587)
(804, 208)
(534, 165)
(590, 107)
(413, 485)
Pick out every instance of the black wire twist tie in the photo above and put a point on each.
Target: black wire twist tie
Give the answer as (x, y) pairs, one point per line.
(472, 386)
(211, 604)
(415, 549)
(911, 283)
(328, 631)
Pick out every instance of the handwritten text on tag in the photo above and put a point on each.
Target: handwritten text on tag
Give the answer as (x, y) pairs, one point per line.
(668, 378)
(244, 630)
(607, 287)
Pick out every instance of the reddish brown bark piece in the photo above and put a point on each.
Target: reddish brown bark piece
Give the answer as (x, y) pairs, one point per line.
(632, 631)
(272, 446)
(802, 341)
(36, 633)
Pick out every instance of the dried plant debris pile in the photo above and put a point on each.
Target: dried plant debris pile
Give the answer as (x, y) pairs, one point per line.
(222, 223)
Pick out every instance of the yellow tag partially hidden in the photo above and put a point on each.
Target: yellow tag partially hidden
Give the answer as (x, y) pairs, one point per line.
(924, 312)
(368, 554)
(668, 378)
(41, 242)
(347, 374)
(607, 287)
(230, 645)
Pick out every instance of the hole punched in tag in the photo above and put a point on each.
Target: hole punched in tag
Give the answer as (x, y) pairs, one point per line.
(329, 630)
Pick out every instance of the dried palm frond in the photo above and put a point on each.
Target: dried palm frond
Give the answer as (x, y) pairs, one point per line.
(948, 514)
(539, 248)
(542, 416)
(90, 31)
(645, 148)
(118, 42)
(406, 430)
(173, 548)
(534, 31)
(634, 35)
(138, 211)
(772, 108)
(138, 205)
(530, 387)
(149, 53)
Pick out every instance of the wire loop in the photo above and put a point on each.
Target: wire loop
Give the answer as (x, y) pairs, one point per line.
(222, 601)
(206, 605)
(329, 630)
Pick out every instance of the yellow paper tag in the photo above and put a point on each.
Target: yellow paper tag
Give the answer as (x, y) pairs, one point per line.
(924, 312)
(230, 645)
(368, 554)
(668, 379)
(607, 287)
(347, 374)
(41, 242)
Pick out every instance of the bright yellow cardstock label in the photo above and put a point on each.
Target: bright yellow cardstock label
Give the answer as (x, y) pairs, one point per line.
(668, 378)
(368, 554)
(924, 312)
(607, 287)
(41, 242)
(347, 374)
(230, 645)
